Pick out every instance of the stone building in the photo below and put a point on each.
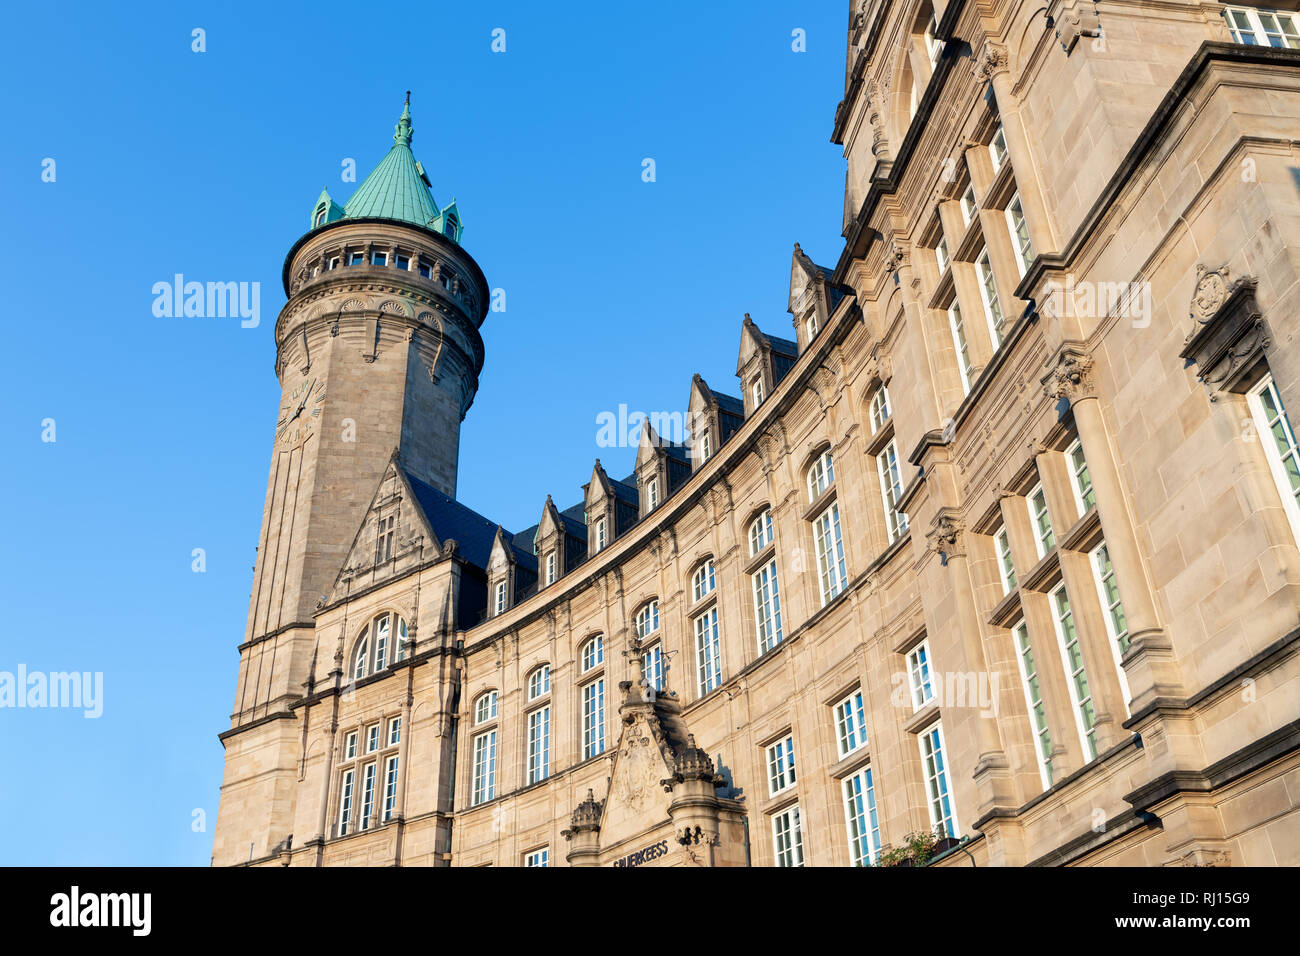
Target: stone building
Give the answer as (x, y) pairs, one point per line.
(1000, 542)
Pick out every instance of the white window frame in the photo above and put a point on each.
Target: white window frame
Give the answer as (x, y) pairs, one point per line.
(652, 493)
(998, 148)
(647, 619)
(652, 665)
(539, 682)
(485, 707)
(880, 409)
(760, 532)
(703, 581)
(1274, 442)
(483, 776)
(541, 857)
(372, 738)
(850, 719)
(756, 392)
(891, 489)
(708, 651)
(601, 538)
(960, 345)
(861, 818)
(832, 572)
(550, 567)
(920, 675)
(780, 765)
(1031, 684)
(821, 475)
(767, 607)
(369, 778)
(933, 45)
(350, 746)
(1006, 564)
(940, 802)
(500, 600)
(1112, 612)
(537, 766)
(1044, 538)
(969, 205)
(390, 787)
(988, 290)
(1080, 478)
(1082, 704)
(593, 718)
(593, 652)
(941, 257)
(394, 731)
(1259, 34)
(787, 837)
(346, 797)
(1020, 240)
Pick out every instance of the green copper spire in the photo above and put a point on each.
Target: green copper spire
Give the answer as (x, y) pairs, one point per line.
(398, 187)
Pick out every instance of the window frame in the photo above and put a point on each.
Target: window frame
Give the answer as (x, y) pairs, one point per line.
(920, 675)
(539, 682)
(591, 696)
(1036, 711)
(1269, 439)
(765, 532)
(537, 750)
(960, 344)
(767, 606)
(779, 760)
(592, 653)
(1006, 563)
(703, 580)
(891, 490)
(1024, 250)
(1259, 32)
(488, 700)
(786, 824)
(483, 750)
(849, 716)
(828, 541)
(988, 290)
(938, 787)
(859, 809)
(1044, 539)
(646, 619)
(1081, 704)
(708, 651)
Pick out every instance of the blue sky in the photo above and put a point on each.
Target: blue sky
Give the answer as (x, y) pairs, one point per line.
(207, 164)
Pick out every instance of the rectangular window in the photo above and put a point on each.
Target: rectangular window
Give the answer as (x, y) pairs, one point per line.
(485, 768)
(998, 148)
(787, 839)
(1278, 437)
(1019, 233)
(593, 718)
(372, 738)
(332, 262)
(403, 262)
(539, 745)
(989, 296)
(1255, 27)
(345, 801)
(850, 724)
(1113, 612)
(767, 607)
(550, 567)
(941, 257)
(357, 259)
(932, 43)
(350, 747)
(652, 666)
(1085, 717)
(891, 489)
(879, 409)
(1006, 567)
(500, 601)
(540, 857)
(367, 795)
(652, 493)
(708, 651)
(385, 540)
(379, 258)
(390, 787)
(757, 393)
(381, 643)
(918, 671)
(425, 270)
(968, 206)
(780, 766)
(600, 533)
(935, 766)
(959, 344)
(395, 731)
(860, 814)
(1084, 496)
(832, 575)
(1044, 540)
(1034, 700)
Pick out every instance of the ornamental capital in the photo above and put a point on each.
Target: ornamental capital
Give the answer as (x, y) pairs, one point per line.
(1072, 376)
(944, 536)
(991, 62)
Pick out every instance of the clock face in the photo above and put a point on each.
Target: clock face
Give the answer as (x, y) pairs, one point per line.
(300, 412)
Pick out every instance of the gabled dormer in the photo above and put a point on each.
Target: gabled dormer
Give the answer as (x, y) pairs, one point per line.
(448, 222)
(661, 467)
(561, 542)
(812, 297)
(325, 210)
(611, 508)
(764, 360)
(502, 573)
(713, 418)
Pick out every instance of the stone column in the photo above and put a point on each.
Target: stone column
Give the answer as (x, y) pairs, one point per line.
(694, 810)
(1150, 666)
(584, 833)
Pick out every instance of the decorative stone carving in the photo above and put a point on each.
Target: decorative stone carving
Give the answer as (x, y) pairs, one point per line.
(944, 536)
(1076, 20)
(991, 62)
(1071, 378)
(1229, 335)
(586, 816)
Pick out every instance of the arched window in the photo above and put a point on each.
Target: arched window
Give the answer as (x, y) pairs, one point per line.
(539, 682)
(821, 475)
(449, 227)
(320, 215)
(760, 533)
(702, 581)
(593, 653)
(485, 707)
(383, 641)
(647, 619)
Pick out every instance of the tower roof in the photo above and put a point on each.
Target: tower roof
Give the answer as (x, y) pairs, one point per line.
(398, 187)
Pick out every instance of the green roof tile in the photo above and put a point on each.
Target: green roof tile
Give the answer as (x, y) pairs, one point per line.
(396, 188)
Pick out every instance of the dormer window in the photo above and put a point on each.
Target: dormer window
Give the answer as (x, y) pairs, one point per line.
(600, 533)
(320, 215)
(550, 567)
(449, 228)
(811, 326)
(705, 447)
(499, 602)
(757, 393)
(652, 493)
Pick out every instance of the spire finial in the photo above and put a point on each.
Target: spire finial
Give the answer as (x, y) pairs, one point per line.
(402, 132)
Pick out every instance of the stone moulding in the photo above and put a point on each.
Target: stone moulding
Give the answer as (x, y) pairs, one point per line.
(1229, 336)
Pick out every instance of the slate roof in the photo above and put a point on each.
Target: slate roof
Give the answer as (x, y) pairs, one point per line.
(450, 519)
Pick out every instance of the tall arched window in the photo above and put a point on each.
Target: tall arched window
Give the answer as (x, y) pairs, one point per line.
(383, 641)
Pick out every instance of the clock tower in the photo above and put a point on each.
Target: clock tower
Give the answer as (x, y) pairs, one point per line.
(377, 348)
